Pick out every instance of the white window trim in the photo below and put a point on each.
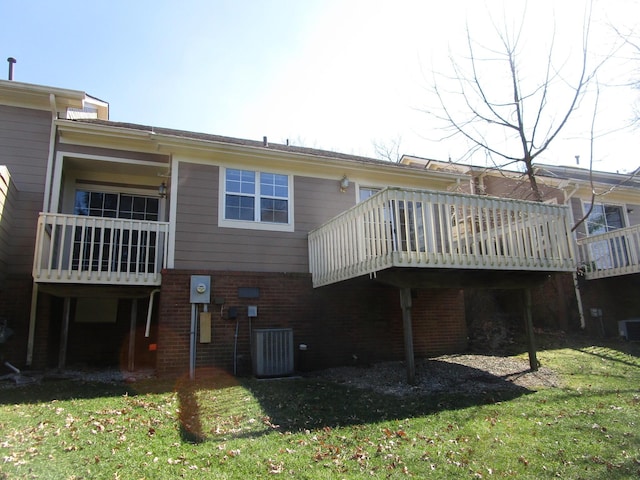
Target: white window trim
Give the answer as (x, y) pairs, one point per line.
(622, 206)
(253, 225)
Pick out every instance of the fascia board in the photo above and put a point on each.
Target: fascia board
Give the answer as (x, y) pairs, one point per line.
(201, 150)
(301, 161)
(37, 96)
(89, 134)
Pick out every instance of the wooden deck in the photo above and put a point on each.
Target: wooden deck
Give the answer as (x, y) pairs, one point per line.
(416, 229)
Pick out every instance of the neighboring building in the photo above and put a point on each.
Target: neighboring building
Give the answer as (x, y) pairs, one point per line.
(135, 245)
(605, 217)
(606, 214)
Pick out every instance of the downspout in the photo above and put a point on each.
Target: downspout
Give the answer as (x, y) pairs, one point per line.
(150, 311)
(52, 147)
(576, 284)
(45, 208)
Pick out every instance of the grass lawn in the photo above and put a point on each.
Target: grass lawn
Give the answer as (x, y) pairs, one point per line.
(222, 427)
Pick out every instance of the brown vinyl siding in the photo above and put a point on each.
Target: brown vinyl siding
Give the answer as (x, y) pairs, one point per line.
(8, 202)
(24, 149)
(24, 146)
(319, 200)
(201, 244)
(633, 211)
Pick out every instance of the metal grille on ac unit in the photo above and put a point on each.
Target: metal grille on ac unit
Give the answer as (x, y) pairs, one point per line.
(272, 352)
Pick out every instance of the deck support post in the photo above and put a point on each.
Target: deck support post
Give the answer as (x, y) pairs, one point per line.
(132, 335)
(64, 333)
(405, 304)
(31, 339)
(531, 341)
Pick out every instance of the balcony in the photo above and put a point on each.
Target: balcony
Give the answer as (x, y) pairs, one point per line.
(72, 249)
(610, 254)
(400, 228)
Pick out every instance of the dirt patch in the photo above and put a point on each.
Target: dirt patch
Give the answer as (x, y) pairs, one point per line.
(470, 374)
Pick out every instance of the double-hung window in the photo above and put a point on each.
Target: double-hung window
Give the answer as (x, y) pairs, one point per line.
(612, 252)
(259, 200)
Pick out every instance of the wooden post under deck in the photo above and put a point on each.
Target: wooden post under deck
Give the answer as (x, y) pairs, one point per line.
(531, 341)
(132, 335)
(64, 333)
(405, 304)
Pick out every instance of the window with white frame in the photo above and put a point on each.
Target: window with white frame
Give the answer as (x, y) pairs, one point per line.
(256, 199)
(100, 247)
(612, 252)
(603, 218)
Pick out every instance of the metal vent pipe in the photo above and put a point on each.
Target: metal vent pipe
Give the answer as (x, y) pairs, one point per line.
(11, 61)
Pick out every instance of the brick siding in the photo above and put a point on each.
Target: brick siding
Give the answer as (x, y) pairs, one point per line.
(352, 322)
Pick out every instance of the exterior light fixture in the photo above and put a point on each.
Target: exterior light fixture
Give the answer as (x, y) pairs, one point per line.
(162, 190)
(344, 184)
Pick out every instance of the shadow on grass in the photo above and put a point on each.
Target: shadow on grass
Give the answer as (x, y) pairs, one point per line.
(217, 406)
(630, 357)
(261, 407)
(552, 340)
(47, 387)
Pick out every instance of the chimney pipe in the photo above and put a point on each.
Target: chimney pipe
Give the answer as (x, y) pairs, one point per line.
(11, 61)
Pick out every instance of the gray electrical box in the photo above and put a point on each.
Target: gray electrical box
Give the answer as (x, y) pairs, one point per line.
(200, 289)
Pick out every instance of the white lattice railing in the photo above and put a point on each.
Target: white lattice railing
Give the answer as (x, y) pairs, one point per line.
(610, 254)
(82, 249)
(415, 228)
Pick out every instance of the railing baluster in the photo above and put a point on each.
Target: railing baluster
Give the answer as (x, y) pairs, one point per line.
(73, 248)
(397, 227)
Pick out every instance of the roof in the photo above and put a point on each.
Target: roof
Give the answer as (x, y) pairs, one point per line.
(264, 144)
(576, 173)
(39, 97)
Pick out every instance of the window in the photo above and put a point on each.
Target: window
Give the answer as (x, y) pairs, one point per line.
(115, 205)
(366, 192)
(611, 253)
(603, 218)
(105, 248)
(256, 200)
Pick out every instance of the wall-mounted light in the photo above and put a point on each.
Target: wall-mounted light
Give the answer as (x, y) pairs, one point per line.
(162, 190)
(344, 184)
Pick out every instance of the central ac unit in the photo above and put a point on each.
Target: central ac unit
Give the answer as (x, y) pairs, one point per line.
(272, 352)
(630, 329)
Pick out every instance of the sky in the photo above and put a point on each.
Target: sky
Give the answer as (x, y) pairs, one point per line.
(339, 75)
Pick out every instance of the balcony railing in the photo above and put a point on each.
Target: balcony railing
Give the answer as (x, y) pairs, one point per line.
(610, 254)
(82, 249)
(414, 228)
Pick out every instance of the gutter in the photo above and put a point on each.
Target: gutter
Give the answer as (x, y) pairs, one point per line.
(45, 208)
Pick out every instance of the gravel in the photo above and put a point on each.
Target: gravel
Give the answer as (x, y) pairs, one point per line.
(102, 375)
(468, 374)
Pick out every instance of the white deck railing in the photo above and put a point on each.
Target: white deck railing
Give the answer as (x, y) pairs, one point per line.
(82, 249)
(610, 254)
(414, 228)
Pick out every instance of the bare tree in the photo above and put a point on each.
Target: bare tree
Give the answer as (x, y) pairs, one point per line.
(506, 107)
(388, 150)
(631, 40)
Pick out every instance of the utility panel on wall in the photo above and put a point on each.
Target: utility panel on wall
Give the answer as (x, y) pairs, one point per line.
(200, 291)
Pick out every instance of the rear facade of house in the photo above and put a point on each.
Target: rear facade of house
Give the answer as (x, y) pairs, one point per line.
(137, 246)
(601, 295)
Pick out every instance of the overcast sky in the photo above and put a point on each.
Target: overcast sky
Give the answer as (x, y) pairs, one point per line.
(330, 74)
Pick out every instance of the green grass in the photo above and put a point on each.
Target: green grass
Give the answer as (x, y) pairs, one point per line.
(221, 427)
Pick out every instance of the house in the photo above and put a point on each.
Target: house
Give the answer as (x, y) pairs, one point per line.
(605, 222)
(606, 218)
(144, 246)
